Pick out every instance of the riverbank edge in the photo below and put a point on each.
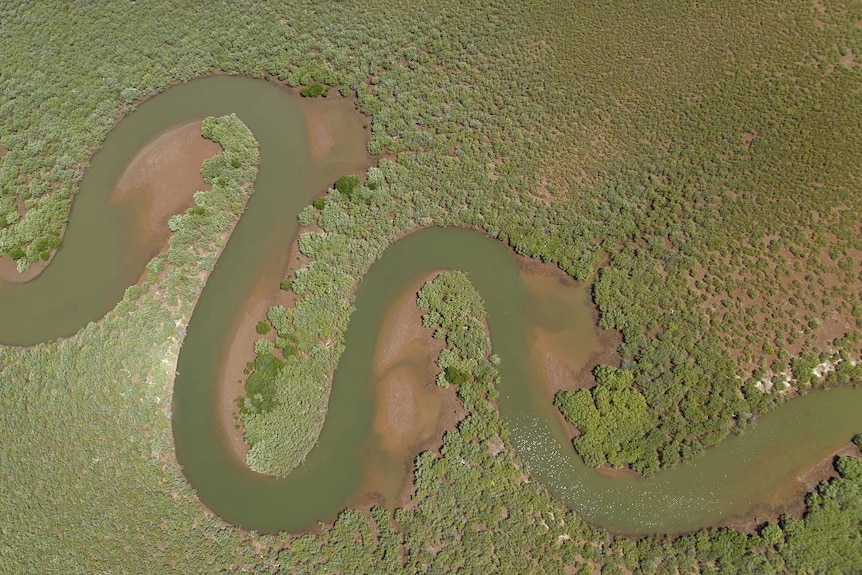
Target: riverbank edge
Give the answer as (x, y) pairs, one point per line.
(9, 268)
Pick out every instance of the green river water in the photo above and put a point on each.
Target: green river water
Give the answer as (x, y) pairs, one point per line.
(742, 473)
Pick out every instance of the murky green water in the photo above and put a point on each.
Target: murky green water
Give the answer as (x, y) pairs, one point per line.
(740, 473)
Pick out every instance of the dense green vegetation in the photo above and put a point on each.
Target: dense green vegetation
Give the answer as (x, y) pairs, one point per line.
(458, 322)
(346, 185)
(612, 418)
(314, 91)
(704, 156)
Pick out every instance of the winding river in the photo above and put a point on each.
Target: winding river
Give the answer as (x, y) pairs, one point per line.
(741, 473)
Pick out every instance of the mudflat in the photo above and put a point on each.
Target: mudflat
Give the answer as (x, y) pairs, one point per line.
(412, 412)
(240, 350)
(790, 500)
(323, 117)
(9, 271)
(162, 179)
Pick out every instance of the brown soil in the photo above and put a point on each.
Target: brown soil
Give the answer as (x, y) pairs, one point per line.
(9, 271)
(412, 412)
(240, 351)
(561, 369)
(794, 506)
(321, 136)
(321, 114)
(162, 180)
(788, 289)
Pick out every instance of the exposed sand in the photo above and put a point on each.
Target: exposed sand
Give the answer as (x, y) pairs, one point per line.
(9, 271)
(561, 369)
(412, 413)
(322, 115)
(240, 350)
(162, 180)
(403, 326)
(239, 353)
(325, 118)
(565, 341)
(321, 137)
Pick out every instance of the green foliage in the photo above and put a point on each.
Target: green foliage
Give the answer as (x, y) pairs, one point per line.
(612, 418)
(347, 185)
(319, 203)
(772, 534)
(262, 328)
(307, 216)
(845, 373)
(98, 452)
(803, 368)
(828, 539)
(313, 91)
(455, 376)
(260, 387)
(455, 309)
(286, 284)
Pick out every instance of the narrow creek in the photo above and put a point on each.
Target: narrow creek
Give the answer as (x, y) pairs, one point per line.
(754, 469)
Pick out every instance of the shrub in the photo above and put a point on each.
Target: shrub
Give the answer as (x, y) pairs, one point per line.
(346, 185)
(263, 328)
(306, 217)
(260, 388)
(314, 91)
(455, 376)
